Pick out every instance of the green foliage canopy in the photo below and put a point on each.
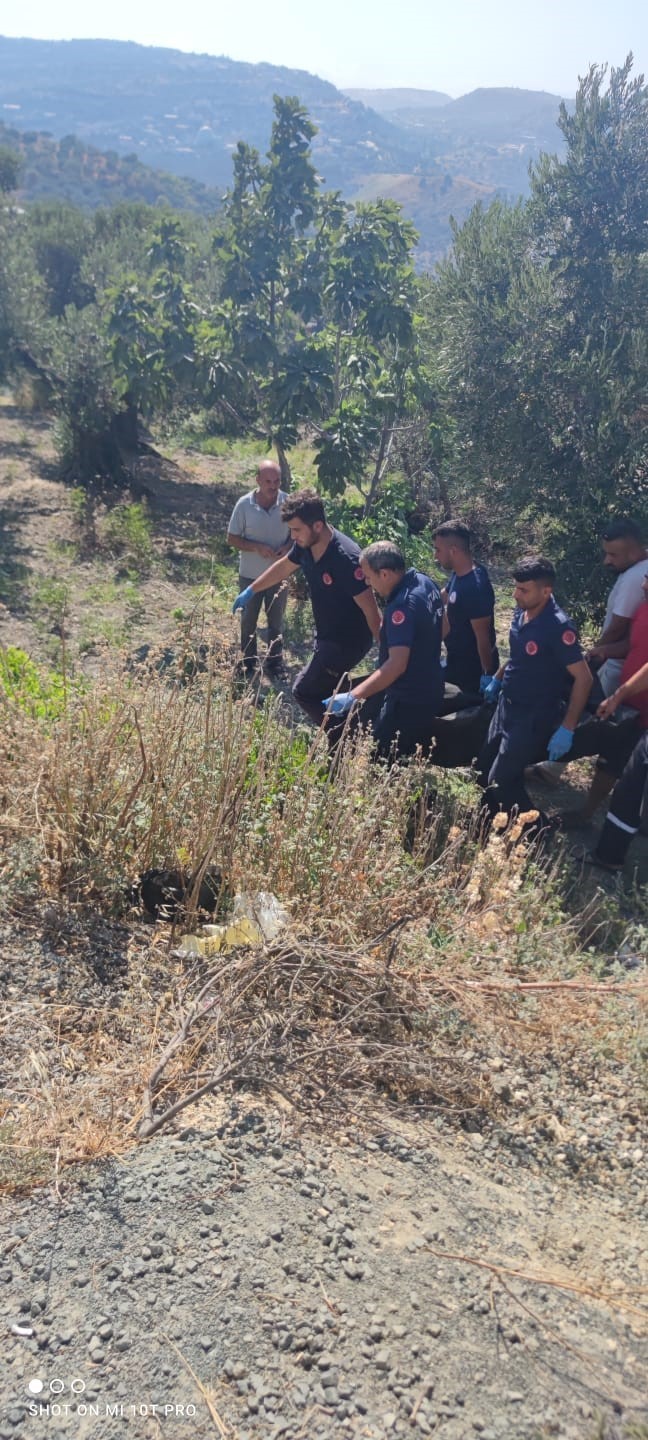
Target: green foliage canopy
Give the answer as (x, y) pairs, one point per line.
(537, 324)
(316, 320)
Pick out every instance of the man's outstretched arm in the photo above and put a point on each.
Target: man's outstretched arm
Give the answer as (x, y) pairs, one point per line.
(274, 575)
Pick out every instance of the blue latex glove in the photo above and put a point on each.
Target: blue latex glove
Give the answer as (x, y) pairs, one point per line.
(484, 683)
(490, 691)
(339, 704)
(242, 599)
(560, 743)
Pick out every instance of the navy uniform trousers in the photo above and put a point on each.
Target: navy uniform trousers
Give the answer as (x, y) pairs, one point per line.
(399, 726)
(518, 736)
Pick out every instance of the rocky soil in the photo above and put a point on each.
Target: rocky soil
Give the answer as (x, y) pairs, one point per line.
(286, 1275)
(276, 1283)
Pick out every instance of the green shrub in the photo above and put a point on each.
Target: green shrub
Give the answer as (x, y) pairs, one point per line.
(42, 694)
(387, 520)
(128, 532)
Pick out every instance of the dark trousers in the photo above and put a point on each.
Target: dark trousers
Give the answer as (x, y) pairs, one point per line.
(464, 677)
(518, 736)
(612, 740)
(399, 726)
(326, 671)
(274, 602)
(624, 815)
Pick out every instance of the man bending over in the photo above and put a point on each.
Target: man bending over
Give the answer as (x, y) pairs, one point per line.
(405, 692)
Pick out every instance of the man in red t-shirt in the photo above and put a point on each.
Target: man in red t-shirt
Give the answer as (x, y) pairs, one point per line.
(637, 656)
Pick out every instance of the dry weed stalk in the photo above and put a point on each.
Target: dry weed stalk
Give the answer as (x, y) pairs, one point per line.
(144, 770)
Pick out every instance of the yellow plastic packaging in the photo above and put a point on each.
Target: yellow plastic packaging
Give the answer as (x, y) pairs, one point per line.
(219, 939)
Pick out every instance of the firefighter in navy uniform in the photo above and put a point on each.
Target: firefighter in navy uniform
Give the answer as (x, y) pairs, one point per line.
(404, 694)
(541, 691)
(470, 615)
(346, 615)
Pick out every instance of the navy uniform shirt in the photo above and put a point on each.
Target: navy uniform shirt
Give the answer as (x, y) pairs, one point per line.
(541, 650)
(414, 617)
(470, 597)
(333, 581)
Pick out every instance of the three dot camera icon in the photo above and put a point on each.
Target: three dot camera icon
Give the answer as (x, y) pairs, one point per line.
(55, 1387)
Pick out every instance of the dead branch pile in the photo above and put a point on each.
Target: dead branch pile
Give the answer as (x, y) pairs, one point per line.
(310, 1021)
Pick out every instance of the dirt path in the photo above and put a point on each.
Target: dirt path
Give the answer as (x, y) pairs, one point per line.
(381, 1275)
(52, 578)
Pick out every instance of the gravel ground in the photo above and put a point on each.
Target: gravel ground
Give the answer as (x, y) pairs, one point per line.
(250, 1278)
(282, 1277)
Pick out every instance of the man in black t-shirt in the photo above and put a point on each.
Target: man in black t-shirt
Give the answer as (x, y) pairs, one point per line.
(344, 608)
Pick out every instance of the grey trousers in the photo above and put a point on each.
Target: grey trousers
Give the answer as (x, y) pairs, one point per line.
(275, 609)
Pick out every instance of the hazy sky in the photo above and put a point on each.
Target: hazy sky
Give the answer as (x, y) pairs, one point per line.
(451, 45)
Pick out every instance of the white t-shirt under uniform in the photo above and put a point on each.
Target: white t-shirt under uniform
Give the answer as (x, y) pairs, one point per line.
(624, 599)
(251, 522)
(626, 594)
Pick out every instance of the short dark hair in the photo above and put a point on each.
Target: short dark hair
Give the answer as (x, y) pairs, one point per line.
(454, 530)
(534, 567)
(304, 505)
(384, 555)
(623, 530)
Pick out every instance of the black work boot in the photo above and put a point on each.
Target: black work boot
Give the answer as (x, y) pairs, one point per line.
(612, 848)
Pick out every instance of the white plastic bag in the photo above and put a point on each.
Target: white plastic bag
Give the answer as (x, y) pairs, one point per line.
(264, 911)
(257, 918)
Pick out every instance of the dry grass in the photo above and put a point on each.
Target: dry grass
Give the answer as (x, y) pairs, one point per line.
(408, 940)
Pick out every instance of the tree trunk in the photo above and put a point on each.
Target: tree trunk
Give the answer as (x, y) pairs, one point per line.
(444, 495)
(286, 475)
(382, 461)
(124, 428)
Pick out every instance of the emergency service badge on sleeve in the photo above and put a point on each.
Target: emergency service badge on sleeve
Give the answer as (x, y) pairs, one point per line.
(398, 617)
(568, 637)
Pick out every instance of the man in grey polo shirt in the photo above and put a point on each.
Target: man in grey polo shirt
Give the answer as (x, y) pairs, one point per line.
(258, 532)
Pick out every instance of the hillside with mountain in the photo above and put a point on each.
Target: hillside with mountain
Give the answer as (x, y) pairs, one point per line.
(184, 114)
(489, 136)
(71, 170)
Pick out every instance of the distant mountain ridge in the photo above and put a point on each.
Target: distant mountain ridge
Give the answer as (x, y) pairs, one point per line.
(184, 114)
(386, 101)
